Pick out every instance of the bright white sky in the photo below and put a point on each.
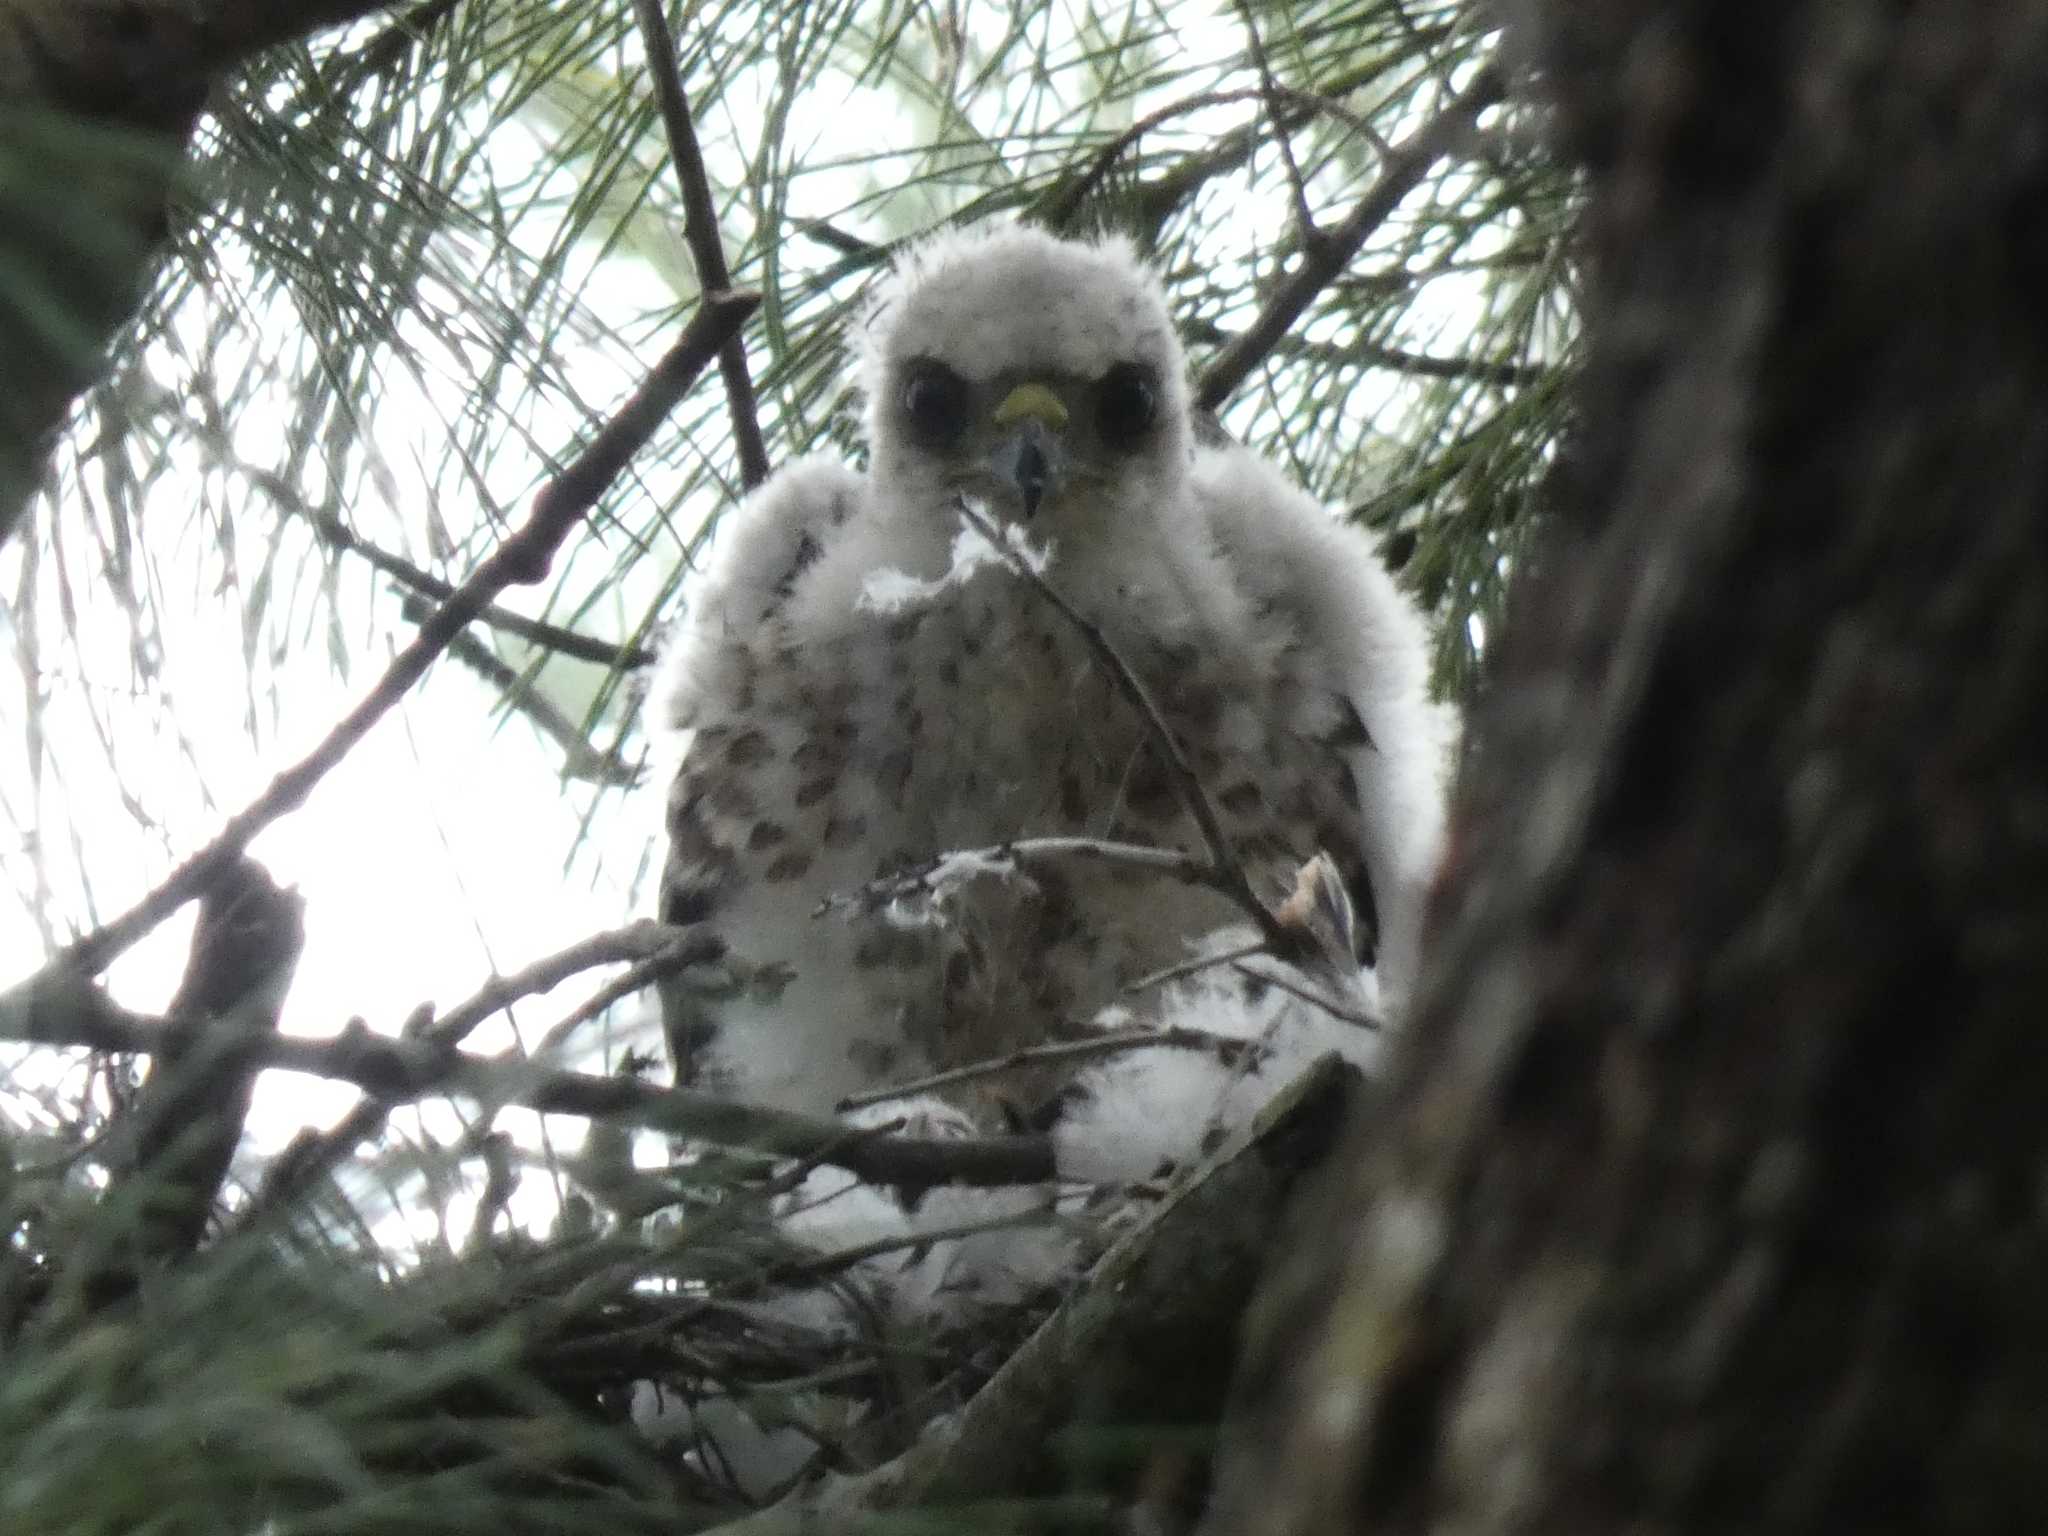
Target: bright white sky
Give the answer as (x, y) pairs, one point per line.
(446, 845)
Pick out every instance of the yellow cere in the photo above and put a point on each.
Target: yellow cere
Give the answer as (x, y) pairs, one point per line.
(1034, 402)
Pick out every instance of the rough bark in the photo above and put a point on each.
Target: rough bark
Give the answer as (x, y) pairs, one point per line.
(1709, 1195)
(97, 98)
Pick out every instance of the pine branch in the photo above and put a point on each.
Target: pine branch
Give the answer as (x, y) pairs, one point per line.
(1321, 264)
(523, 558)
(700, 230)
(1233, 150)
(63, 1008)
(581, 760)
(1222, 1047)
(656, 950)
(1185, 1274)
(549, 637)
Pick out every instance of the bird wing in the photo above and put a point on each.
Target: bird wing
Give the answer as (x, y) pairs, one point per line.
(708, 689)
(1361, 651)
(766, 544)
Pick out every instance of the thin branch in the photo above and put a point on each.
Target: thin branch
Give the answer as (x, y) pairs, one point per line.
(1028, 853)
(1227, 873)
(524, 557)
(1179, 1038)
(549, 637)
(581, 760)
(1400, 174)
(700, 231)
(1283, 136)
(66, 1009)
(1365, 352)
(1227, 154)
(1192, 967)
(338, 535)
(1329, 1005)
(642, 974)
(635, 941)
(845, 243)
(314, 1155)
(798, 1271)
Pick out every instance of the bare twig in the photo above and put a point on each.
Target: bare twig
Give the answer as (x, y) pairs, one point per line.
(500, 1180)
(799, 1271)
(1029, 853)
(64, 1008)
(1192, 967)
(316, 1154)
(1222, 1047)
(1364, 351)
(1189, 1267)
(700, 230)
(845, 243)
(524, 557)
(1227, 873)
(1401, 172)
(337, 534)
(1283, 134)
(549, 637)
(580, 759)
(1226, 154)
(678, 956)
(636, 941)
(1294, 989)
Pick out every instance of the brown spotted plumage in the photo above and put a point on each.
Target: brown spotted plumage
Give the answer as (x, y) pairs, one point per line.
(863, 687)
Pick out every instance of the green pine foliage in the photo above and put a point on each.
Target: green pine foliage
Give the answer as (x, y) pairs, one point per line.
(413, 265)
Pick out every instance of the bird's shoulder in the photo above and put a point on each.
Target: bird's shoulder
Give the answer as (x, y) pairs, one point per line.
(777, 534)
(1320, 578)
(1356, 638)
(759, 557)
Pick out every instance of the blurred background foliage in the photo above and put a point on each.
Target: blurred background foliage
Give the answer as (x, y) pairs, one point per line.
(412, 266)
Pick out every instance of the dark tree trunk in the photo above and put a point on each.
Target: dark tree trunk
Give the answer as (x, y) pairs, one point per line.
(1712, 1189)
(97, 98)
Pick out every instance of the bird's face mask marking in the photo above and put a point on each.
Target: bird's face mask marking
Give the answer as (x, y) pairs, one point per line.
(1029, 442)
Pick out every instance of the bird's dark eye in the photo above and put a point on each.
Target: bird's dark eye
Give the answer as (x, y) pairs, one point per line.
(934, 403)
(1126, 405)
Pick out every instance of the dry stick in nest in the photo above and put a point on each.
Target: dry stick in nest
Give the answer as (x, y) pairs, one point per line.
(1225, 872)
(314, 1154)
(1223, 1047)
(1026, 854)
(63, 1008)
(1191, 967)
(524, 557)
(1182, 1278)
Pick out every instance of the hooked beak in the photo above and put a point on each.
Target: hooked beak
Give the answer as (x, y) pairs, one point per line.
(1031, 454)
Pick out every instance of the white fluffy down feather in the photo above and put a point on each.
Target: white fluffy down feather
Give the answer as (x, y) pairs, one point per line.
(1143, 1114)
(858, 691)
(859, 687)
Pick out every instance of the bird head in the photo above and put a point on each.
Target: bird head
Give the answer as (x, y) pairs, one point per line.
(1040, 377)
